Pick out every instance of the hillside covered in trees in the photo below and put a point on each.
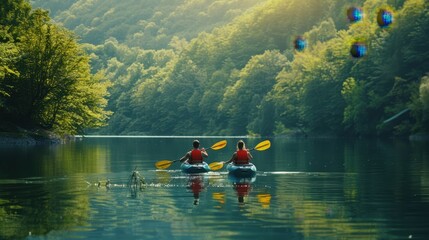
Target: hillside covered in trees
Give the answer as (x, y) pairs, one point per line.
(148, 24)
(208, 67)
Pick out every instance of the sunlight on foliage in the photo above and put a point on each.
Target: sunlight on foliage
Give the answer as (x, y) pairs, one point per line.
(202, 67)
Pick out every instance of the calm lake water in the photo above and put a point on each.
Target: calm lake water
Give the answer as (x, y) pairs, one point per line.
(304, 189)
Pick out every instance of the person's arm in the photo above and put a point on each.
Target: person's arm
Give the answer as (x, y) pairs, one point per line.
(204, 153)
(186, 157)
(232, 158)
(249, 155)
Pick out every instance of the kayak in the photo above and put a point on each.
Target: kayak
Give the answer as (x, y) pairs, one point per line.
(195, 168)
(241, 170)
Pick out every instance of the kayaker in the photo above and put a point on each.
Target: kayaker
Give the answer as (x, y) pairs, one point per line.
(196, 155)
(241, 156)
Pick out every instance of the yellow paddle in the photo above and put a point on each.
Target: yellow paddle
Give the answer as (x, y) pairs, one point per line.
(164, 164)
(262, 146)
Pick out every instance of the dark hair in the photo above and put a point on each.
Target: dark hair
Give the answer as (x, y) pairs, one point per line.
(196, 143)
(240, 144)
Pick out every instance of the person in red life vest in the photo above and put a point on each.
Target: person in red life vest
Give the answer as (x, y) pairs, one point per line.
(241, 156)
(196, 155)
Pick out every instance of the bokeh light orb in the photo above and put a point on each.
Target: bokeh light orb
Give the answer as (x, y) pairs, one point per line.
(358, 49)
(300, 43)
(354, 14)
(384, 18)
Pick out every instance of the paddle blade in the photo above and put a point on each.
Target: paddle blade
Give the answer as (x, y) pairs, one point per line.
(219, 145)
(214, 166)
(264, 145)
(163, 164)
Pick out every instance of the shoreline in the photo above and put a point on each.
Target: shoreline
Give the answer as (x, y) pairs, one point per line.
(34, 138)
(27, 139)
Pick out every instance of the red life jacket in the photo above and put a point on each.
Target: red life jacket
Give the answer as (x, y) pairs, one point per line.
(196, 156)
(242, 157)
(242, 189)
(196, 186)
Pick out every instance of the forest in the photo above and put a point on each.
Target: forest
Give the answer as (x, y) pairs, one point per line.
(45, 76)
(215, 67)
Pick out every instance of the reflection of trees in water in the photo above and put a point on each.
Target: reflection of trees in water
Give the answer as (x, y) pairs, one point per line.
(54, 160)
(38, 208)
(39, 205)
(314, 205)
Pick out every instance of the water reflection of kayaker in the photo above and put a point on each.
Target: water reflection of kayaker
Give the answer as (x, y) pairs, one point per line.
(196, 155)
(242, 186)
(242, 190)
(241, 156)
(196, 185)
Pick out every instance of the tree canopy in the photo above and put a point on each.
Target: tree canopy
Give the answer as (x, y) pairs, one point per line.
(45, 79)
(230, 67)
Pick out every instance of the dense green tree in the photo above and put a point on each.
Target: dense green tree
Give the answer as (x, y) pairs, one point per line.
(243, 98)
(48, 78)
(8, 55)
(287, 95)
(13, 16)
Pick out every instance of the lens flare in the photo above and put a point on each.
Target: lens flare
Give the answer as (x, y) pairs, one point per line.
(354, 14)
(300, 43)
(358, 49)
(384, 18)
